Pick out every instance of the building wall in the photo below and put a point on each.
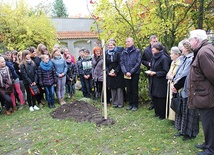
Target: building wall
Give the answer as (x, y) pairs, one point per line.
(73, 24)
(74, 45)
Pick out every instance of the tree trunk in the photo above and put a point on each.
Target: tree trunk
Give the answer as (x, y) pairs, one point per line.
(201, 14)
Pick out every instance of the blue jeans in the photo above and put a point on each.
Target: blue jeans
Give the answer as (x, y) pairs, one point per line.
(49, 93)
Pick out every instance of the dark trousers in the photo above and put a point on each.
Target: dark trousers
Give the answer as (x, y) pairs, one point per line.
(207, 119)
(40, 96)
(30, 98)
(6, 101)
(82, 80)
(160, 106)
(99, 87)
(88, 83)
(132, 90)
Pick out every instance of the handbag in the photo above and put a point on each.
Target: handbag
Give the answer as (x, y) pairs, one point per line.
(176, 104)
(34, 90)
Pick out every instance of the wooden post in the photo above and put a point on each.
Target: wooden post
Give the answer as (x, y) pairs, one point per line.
(104, 81)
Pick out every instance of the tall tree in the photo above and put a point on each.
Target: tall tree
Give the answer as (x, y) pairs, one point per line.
(59, 9)
(203, 14)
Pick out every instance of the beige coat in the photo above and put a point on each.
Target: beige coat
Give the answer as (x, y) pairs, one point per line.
(170, 114)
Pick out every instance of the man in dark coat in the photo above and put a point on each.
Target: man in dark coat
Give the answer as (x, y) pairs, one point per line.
(147, 57)
(201, 86)
(130, 64)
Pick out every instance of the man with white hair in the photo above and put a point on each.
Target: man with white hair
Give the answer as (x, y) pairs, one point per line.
(201, 86)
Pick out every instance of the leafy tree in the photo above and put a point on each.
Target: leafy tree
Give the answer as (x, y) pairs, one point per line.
(169, 19)
(59, 9)
(21, 28)
(203, 14)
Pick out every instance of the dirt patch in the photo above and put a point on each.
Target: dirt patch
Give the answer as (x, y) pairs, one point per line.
(81, 111)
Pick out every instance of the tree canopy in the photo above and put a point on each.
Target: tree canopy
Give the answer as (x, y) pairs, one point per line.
(170, 20)
(59, 9)
(21, 27)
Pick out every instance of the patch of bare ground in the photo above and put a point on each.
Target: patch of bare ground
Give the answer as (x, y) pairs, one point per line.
(81, 111)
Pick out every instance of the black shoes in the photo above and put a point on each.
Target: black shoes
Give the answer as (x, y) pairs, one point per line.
(134, 108)
(120, 106)
(161, 118)
(129, 107)
(156, 115)
(178, 134)
(117, 106)
(200, 146)
(188, 138)
(151, 107)
(114, 106)
(202, 153)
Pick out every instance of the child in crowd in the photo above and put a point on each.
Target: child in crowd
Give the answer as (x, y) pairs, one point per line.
(66, 52)
(29, 74)
(80, 73)
(87, 72)
(17, 86)
(61, 70)
(35, 56)
(70, 76)
(18, 71)
(47, 79)
(6, 86)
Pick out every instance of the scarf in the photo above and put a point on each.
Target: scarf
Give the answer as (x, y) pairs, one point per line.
(158, 55)
(5, 77)
(129, 49)
(111, 53)
(57, 57)
(46, 66)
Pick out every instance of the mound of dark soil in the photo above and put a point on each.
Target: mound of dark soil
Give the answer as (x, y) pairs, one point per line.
(81, 111)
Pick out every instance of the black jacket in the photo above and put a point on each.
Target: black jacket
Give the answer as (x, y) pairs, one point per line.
(114, 64)
(29, 73)
(158, 82)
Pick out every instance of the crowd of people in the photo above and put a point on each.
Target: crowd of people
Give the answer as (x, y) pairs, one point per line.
(186, 72)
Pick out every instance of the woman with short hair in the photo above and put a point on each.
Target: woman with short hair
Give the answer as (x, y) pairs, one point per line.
(176, 57)
(158, 84)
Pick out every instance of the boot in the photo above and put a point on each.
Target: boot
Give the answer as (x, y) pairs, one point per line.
(8, 112)
(49, 105)
(63, 101)
(14, 109)
(60, 101)
(52, 105)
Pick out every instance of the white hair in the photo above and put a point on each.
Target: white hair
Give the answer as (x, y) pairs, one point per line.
(175, 50)
(180, 44)
(199, 34)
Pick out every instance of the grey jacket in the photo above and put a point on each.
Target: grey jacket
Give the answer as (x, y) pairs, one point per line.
(182, 74)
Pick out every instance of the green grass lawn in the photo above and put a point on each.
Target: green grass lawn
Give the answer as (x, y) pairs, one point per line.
(134, 133)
